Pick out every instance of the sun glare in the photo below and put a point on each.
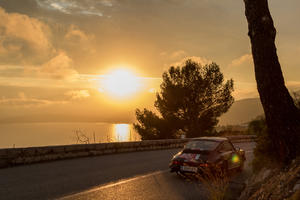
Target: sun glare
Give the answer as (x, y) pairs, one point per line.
(122, 132)
(121, 83)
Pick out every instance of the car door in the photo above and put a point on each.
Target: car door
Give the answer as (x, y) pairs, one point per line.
(236, 159)
(227, 152)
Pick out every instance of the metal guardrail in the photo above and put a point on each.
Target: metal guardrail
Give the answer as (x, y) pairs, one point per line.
(20, 156)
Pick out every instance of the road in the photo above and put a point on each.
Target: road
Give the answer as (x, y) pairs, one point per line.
(137, 175)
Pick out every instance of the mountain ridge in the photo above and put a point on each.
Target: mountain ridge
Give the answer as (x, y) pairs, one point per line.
(242, 111)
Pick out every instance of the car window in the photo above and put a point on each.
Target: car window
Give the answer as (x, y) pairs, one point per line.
(226, 146)
(202, 145)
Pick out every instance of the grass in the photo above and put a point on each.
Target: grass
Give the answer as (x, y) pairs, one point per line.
(216, 181)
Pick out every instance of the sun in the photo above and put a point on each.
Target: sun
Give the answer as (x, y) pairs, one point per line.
(120, 83)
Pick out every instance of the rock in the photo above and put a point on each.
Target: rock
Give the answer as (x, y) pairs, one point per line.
(274, 184)
(295, 196)
(296, 187)
(266, 173)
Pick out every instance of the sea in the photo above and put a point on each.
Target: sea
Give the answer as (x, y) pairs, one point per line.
(15, 135)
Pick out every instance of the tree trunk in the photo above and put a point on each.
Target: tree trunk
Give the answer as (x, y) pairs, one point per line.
(282, 116)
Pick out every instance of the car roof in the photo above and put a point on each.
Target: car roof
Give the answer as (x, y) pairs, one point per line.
(217, 139)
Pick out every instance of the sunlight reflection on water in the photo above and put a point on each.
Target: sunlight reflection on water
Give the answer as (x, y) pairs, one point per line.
(122, 132)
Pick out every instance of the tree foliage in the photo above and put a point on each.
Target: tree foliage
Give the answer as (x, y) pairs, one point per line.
(257, 126)
(192, 98)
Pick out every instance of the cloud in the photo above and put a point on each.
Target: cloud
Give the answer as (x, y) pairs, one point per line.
(76, 40)
(75, 34)
(59, 67)
(78, 94)
(178, 54)
(108, 3)
(249, 89)
(23, 100)
(247, 58)
(10, 71)
(179, 57)
(173, 55)
(28, 42)
(245, 93)
(21, 36)
(79, 7)
(293, 86)
(200, 60)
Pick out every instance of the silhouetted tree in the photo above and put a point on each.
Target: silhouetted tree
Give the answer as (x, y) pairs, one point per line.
(257, 126)
(192, 97)
(282, 116)
(151, 126)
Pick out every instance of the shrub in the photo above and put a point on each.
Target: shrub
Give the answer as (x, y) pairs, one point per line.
(215, 181)
(264, 154)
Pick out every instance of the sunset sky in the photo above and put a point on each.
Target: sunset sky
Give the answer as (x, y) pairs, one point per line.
(66, 60)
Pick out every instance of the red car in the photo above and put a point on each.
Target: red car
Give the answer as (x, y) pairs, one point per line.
(208, 152)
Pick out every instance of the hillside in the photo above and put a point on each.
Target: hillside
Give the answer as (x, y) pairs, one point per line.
(277, 183)
(242, 111)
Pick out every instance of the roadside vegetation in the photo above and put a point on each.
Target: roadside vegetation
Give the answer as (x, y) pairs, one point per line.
(230, 130)
(264, 155)
(216, 182)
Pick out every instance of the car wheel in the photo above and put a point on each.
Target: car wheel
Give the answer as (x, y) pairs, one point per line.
(224, 167)
(241, 167)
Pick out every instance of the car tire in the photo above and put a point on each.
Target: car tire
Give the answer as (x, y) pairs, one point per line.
(241, 167)
(224, 167)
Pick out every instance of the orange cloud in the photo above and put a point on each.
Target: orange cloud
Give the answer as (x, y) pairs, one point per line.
(23, 100)
(247, 58)
(75, 34)
(21, 34)
(294, 86)
(200, 60)
(77, 39)
(178, 54)
(59, 67)
(78, 94)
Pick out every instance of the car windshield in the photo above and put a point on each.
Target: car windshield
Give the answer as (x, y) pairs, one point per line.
(203, 145)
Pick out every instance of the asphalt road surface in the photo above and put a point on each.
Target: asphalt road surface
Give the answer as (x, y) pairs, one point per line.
(136, 175)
